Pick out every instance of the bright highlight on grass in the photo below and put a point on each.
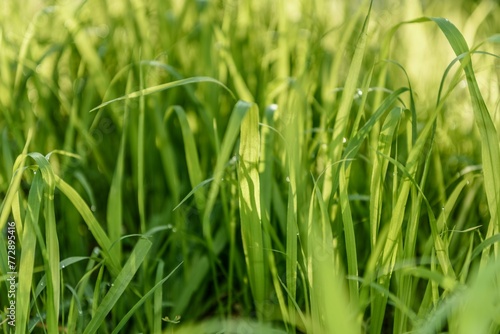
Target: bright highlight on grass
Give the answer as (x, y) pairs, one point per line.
(250, 166)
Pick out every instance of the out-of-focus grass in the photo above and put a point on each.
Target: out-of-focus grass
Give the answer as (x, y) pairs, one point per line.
(264, 166)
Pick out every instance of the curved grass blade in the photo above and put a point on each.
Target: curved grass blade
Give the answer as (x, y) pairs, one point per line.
(160, 88)
(92, 223)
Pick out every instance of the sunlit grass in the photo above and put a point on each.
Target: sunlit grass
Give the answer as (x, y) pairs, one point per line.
(251, 166)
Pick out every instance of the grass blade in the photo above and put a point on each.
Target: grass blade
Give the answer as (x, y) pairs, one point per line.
(250, 207)
(119, 285)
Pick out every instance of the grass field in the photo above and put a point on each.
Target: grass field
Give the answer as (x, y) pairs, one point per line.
(235, 166)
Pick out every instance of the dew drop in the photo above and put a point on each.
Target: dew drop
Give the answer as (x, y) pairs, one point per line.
(344, 140)
(288, 179)
(112, 284)
(93, 208)
(63, 266)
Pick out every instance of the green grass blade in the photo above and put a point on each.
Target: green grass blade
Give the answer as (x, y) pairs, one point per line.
(490, 145)
(28, 247)
(342, 118)
(193, 163)
(92, 223)
(380, 170)
(119, 285)
(160, 88)
(14, 184)
(155, 289)
(51, 257)
(250, 206)
(158, 299)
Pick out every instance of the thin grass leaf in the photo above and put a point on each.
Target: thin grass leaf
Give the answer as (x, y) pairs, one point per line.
(160, 88)
(14, 184)
(158, 299)
(93, 225)
(51, 257)
(27, 260)
(119, 285)
(154, 290)
(342, 117)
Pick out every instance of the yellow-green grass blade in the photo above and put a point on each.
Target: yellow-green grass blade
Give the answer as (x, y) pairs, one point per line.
(266, 184)
(379, 171)
(119, 285)
(28, 247)
(392, 243)
(342, 117)
(92, 223)
(155, 290)
(250, 207)
(17, 172)
(490, 145)
(479, 311)
(241, 88)
(84, 45)
(350, 238)
(331, 309)
(232, 131)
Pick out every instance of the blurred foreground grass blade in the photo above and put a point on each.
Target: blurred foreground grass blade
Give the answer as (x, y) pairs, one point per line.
(119, 285)
(250, 207)
(92, 223)
(28, 247)
(332, 311)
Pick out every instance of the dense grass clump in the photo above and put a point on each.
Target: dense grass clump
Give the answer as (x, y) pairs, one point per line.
(249, 166)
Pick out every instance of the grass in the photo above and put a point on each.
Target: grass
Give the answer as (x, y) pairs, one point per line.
(263, 166)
